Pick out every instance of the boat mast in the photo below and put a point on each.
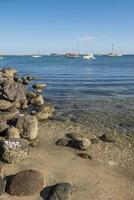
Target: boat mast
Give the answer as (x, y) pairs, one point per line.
(112, 48)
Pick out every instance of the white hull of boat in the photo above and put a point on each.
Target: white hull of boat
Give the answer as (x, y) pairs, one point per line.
(36, 56)
(89, 57)
(1, 58)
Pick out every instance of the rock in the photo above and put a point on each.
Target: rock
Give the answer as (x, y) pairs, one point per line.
(104, 138)
(83, 143)
(12, 132)
(84, 156)
(45, 112)
(5, 105)
(37, 101)
(62, 142)
(25, 80)
(31, 95)
(14, 91)
(2, 186)
(3, 126)
(14, 150)
(8, 72)
(60, 191)
(27, 125)
(10, 114)
(26, 183)
(40, 86)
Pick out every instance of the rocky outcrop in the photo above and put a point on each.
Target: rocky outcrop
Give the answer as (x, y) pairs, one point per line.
(14, 150)
(26, 183)
(27, 126)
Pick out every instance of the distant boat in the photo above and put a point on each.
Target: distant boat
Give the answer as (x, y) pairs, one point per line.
(36, 56)
(88, 56)
(112, 54)
(1, 57)
(72, 55)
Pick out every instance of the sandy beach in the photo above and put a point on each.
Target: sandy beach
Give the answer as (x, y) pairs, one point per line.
(108, 175)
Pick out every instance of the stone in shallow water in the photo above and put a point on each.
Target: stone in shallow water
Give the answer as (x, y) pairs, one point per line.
(60, 191)
(14, 150)
(25, 183)
(45, 112)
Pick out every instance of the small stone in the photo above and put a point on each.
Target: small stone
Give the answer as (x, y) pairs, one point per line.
(84, 155)
(12, 132)
(27, 125)
(45, 112)
(14, 150)
(2, 186)
(62, 142)
(105, 138)
(5, 105)
(83, 143)
(26, 183)
(61, 191)
(39, 86)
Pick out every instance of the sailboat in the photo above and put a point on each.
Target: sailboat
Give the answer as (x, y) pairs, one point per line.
(37, 55)
(112, 54)
(88, 56)
(1, 57)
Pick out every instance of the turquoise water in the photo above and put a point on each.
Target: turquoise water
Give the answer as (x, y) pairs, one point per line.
(99, 93)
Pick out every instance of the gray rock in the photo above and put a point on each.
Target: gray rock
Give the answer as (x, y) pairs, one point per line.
(14, 150)
(27, 126)
(45, 112)
(37, 101)
(13, 90)
(10, 114)
(61, 191)
(26, 183)
(5, 105)
(2, 186)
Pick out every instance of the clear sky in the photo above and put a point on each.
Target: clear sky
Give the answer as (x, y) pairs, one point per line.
(66, 25)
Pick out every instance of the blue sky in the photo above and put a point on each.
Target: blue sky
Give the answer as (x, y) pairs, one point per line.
(66, 25)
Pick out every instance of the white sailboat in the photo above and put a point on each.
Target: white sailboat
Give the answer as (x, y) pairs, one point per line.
(1, 57)
(37, 55)
(112, 54)
(88, 56)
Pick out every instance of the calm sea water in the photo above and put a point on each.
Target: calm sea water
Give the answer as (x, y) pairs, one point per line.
(78, 79)
(98, 92)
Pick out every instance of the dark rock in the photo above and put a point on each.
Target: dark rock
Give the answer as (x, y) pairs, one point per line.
(2, 186)
(60, 191)
(62, 142)
(80, 143)
(104, 138)
(84, 155)
(27, 125)
(25, 183)
(3, 126)
(14, 150)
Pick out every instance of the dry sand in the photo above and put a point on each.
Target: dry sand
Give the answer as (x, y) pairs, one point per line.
(108, 176)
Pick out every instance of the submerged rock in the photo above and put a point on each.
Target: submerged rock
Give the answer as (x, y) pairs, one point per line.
(14, 150)
(27, 125)
(60, 191)
(26, 183)
(45, 112)
(39, 86)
